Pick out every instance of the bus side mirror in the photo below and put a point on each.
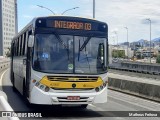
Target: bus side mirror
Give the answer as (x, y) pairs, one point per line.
(31, 41)
(101, 52)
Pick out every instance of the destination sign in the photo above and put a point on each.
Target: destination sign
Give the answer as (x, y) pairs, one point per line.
(72, 25)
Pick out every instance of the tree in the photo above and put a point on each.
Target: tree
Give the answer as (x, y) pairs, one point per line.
(118, 53)
(158, 59)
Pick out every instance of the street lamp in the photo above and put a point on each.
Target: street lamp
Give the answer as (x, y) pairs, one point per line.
(94, 3)
(115, 32)
(46, 8)
(150, 37)
(127, 40)
(70, 9)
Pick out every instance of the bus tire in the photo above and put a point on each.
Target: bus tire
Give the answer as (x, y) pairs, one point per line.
(24, 89)
(29, 105)
(84, 106)
(13, 86)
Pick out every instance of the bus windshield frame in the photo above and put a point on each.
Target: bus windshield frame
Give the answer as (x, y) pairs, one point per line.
(78, 41)
(68, 54)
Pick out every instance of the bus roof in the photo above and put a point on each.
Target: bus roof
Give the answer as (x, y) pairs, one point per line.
(32, 22)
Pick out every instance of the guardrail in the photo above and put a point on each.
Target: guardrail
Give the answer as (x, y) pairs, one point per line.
(4, 105)
(137, 67)
(4, 65)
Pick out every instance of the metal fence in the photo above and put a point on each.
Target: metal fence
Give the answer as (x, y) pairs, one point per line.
(137, 67)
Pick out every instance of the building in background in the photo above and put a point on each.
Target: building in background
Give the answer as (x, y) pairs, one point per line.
(127, 51)
(8, 24)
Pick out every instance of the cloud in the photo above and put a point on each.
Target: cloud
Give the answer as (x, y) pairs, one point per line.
(130, 13)
(116, 13)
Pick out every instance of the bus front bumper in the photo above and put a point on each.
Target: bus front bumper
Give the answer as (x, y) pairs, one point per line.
(37, 96)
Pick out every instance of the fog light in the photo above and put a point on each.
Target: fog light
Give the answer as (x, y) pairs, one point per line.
(46, 89)
(97, 89)
(37, 84)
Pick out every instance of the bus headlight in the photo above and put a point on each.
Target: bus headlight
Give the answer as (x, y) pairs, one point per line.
(41, 86)
(101, 87)
(105, 83)
(97, 89)
(46, 89)
(37, 84)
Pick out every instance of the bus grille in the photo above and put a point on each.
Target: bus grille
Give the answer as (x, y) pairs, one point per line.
(73, 78)
(73, 89)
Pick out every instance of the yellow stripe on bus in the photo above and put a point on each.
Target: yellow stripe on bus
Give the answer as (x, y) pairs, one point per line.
(60, 84)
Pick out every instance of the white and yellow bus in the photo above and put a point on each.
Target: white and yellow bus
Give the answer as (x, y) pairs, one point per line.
(61, 60)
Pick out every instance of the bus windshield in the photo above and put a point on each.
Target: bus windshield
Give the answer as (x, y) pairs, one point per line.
(69, 54)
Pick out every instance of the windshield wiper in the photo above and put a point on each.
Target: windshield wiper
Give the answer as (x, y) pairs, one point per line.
(60, 40)
(63, 44)
(85, 43)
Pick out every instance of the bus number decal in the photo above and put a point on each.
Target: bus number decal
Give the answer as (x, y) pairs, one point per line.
(87, 26)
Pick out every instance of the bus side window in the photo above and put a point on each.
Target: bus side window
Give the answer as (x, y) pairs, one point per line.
(17, 47)
(20, 46)
(22, 42)
(26, 43)
(19, 42)
(23, 45)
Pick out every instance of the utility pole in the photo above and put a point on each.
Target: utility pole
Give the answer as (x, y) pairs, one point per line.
(127, 41)
(94, 8)
(150, 37)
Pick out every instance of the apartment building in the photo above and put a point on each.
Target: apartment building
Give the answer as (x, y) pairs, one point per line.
(8, 24)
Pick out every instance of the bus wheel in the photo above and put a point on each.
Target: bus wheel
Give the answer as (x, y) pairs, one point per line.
(24, 89)
(30, 105)
(84, 106)
(13, 86)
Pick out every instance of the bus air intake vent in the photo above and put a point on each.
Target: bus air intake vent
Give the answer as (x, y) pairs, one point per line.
(73, 78)
(73, 89)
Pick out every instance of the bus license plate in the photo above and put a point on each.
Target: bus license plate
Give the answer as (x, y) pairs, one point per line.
(73, 98)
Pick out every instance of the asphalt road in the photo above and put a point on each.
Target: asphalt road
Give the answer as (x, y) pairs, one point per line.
(118, 105)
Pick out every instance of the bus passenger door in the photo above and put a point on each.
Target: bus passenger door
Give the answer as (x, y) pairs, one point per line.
(27, 67)
(28, 70)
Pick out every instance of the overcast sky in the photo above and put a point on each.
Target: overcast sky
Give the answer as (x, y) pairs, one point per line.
(116, 13)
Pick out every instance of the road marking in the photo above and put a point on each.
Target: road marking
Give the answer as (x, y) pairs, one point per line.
(98, 108)
(132, 103)
(2, 76)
